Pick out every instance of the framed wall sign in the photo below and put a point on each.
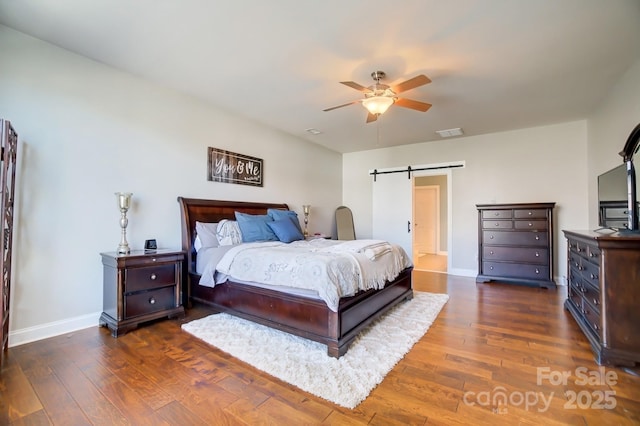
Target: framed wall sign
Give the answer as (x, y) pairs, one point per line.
(229, 167)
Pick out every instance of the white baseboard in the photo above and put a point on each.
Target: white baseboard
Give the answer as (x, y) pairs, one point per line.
(443, 253)
(463, 272)
(56, 328)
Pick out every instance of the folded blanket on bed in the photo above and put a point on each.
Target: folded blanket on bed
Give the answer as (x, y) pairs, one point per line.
(375, 252)
(373, 249)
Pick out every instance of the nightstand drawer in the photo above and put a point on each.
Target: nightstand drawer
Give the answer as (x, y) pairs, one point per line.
(149, 277)
(149, 301)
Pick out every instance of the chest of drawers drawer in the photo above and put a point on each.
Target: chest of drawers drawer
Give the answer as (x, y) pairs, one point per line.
(530, 224)
(515, 238)
(516, 254)
(515, 270)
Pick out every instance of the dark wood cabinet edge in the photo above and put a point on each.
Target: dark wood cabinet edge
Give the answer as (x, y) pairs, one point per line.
(602, 354)
(118, 328)
(548, 284)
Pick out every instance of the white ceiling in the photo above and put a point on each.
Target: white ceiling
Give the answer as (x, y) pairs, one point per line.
(495, 65)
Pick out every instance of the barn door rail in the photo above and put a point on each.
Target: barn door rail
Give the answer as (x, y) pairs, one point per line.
(411, 169)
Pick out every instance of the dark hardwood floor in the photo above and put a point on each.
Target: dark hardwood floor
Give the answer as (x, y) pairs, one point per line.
(489, 341)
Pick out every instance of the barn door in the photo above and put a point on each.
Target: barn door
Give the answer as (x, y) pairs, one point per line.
(8, 149)
(392, 210)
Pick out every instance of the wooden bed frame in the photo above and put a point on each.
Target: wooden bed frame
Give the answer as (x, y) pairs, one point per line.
(305, 317)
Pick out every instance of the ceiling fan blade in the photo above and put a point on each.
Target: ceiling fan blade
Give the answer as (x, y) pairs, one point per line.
(340, 106)
(410, 103)
(356, 86)
(417, 81)
(371, 117)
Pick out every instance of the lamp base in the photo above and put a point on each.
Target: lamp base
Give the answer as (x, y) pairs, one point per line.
(123, 249)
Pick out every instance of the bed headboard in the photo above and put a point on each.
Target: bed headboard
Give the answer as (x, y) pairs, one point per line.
(192, 210)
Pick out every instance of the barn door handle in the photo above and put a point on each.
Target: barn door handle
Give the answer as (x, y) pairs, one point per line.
(408, 226)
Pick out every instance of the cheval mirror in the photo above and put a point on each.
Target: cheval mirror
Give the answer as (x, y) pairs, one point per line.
(344, 224)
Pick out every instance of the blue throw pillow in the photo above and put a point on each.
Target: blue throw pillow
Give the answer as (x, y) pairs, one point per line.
(285, 214)
(285, 230)
(254, 227)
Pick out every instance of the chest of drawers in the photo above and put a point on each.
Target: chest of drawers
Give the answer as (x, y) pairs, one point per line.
(603, 293)
(141, 286)
(515, 243)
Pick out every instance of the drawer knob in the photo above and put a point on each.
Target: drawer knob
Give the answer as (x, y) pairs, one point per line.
(152, 301)
(595, 302)
(583, 290)
(491, 237)
(584, 311)
(497, 223)
(497, 214)
(595, 326)
(153, 276)
(591, 254)
(530, 224)
(537, 237)
(153, 259)
(593, 276)
(491, 267)
(491, 252)
(530, 213)
(537, 271)
(537, 254)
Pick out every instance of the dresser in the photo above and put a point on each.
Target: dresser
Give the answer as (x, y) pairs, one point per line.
(141, 286)
(603, 293)
(515, 243)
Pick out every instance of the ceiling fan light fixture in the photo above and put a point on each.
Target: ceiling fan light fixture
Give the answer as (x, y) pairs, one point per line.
(378, 105)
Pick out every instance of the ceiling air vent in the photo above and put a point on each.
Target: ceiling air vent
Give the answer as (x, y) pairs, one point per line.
(450, 132)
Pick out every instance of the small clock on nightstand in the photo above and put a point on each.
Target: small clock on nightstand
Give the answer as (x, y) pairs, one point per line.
(141, 286)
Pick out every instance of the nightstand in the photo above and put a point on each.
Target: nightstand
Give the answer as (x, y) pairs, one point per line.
(141, 286)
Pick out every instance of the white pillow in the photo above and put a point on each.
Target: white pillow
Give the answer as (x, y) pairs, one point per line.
(205, 235)
(228, 232)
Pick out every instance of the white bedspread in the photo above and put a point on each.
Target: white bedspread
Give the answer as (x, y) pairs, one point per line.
(333, 268)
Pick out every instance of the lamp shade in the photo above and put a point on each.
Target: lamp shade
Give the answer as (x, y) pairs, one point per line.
(378, 104)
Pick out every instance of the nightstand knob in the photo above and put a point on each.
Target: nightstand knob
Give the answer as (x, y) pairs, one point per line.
(153, 276)
(537, 254)
(530, 224)
(530, 213)
(537, 237)
(537, 271)
(152, 301)
(153, 259)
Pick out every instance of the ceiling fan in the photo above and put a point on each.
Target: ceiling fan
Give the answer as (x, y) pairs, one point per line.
(379, 97)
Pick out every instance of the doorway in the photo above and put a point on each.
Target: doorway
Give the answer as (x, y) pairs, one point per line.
(430, 217)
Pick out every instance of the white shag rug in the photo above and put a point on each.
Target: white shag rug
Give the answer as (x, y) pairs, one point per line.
(303, 363)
